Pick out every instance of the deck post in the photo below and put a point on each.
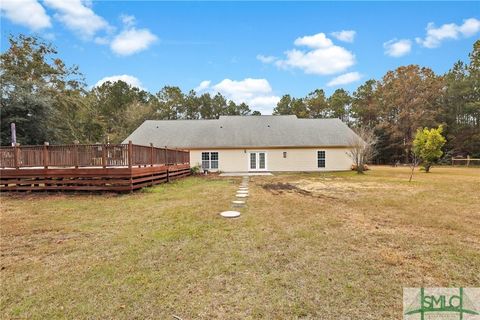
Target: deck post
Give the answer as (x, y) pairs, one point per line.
(468, 160)
(151, 154)
(104, 155)
(166, 155)
(45, 155)
(15, 156)
(130, 150)
(176, 156)
(75, 153)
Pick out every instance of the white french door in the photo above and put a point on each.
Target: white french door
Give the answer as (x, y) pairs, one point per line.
(257, 161)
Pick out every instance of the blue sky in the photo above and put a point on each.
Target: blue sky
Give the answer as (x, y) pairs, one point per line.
(249, 51)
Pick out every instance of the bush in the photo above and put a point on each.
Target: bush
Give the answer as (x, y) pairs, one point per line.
(195, 170)
(354, 167)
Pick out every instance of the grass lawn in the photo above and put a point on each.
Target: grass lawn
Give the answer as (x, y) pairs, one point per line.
(333, 246)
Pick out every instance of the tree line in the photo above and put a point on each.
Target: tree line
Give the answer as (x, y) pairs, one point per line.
(404, 100)
(50, 101)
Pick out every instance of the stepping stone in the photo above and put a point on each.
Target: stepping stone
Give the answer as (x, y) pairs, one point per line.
(241, 195)
(243, 191)
(238, 202)
(230, 214)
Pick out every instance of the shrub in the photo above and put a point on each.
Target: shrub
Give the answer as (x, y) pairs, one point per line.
(428, 145)
(195, 170)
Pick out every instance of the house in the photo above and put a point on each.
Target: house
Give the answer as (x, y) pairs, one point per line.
(254, 143)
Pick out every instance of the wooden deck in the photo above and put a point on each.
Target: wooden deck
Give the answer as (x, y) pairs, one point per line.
(131, 168)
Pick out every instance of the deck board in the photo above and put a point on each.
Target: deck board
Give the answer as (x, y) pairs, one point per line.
(116, 179)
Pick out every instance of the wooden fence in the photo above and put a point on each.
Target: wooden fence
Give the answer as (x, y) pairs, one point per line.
(465, 161)
(89, 155)
(97, 167)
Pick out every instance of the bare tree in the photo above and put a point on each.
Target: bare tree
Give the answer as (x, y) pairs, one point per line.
(362, 147)
(415, 162)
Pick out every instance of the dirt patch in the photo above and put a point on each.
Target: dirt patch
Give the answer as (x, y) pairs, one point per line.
(338, 187)
(280, 187)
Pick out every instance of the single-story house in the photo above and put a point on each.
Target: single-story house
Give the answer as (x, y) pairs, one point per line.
(254, 143)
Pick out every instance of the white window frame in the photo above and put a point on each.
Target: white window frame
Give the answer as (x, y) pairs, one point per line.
(257, 159)
(324, 159)
(210, 160)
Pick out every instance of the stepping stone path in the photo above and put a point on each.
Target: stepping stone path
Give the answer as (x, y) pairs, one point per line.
(240, 202)
(230, 214)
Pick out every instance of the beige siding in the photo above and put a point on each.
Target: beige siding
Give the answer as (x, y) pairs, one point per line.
(298, 159)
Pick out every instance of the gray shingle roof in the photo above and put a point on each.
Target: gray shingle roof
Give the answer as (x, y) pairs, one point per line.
(243, 131)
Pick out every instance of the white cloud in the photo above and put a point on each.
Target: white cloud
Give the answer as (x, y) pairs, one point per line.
(128, 20)
(470, 27)
(257, 93)
(28, 13)
(263, 104)
(344, 35)
(204, 85)
(322, 57)
(345, 79)
(266, 59)
(132, 40)
(78, 16)
(131, 80)
(397, 48)
(318, 40)
(452, 31)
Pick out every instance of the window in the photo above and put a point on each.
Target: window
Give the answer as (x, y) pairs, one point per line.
(284, 154)
(213, 160)
(253, 160)
(209, 160)
(205, 160)
(261, 160)
(321, 159)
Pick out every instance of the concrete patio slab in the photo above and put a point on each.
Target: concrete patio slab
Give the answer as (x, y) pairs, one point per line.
(243, 174)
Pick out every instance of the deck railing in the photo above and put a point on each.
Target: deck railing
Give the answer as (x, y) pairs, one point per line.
(90, 155)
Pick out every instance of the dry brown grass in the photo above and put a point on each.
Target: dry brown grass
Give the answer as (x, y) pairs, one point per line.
(344, 249)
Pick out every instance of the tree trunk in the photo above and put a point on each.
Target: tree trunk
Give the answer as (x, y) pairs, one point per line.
(427, 168)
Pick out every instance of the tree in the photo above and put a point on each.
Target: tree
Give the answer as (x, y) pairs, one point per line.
(243, 109)
(39, 93)
(317, 104)
(113, 110)
(364, 108)
(299, 108)
(283, 106)
(172, 103)
(362, 147)
(408, 98)
(427, 146)
(339, 104)
(192, 107)
(219, 106)
(288, 105)
(256, 113)
(461, 106)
